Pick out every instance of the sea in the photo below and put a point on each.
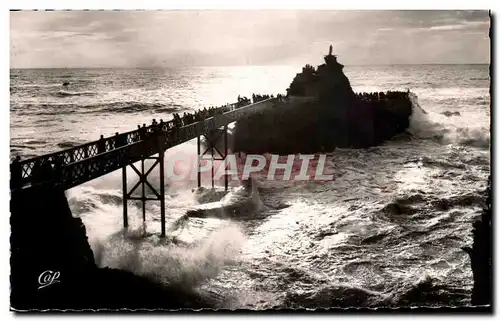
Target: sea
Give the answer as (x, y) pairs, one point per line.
(387, 231)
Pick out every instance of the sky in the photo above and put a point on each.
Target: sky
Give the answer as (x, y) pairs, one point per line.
(144, 39)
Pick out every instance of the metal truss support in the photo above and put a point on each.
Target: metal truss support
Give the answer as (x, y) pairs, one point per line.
(211, 139)
(143, 182)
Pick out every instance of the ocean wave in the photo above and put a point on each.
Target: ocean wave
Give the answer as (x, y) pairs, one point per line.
(240, 203)
(166, 262)
(65, 145)
(458, 101)
(46, 110)
(429, 291)
(468, 200)
(111, 107)
(35, 142)
(342, 296)
(128, 107)
(63, 93)
(411, 198)
(429, 161)
(423, 127)
(473, 137)
(22, 86)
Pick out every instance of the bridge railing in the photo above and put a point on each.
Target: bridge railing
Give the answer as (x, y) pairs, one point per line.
(26, 169)
(84, 162)
(87, 169)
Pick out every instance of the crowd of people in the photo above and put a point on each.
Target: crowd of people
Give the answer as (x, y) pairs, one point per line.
(281, 98)
(257, 98)
(199, 115)
(381, 95)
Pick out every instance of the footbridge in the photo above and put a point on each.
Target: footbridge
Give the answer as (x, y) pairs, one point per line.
(74, 166)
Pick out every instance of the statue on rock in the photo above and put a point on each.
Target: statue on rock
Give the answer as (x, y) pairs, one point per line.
(336, 117)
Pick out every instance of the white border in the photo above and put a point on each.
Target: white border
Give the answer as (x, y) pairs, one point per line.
(255, 4)
(179, 4)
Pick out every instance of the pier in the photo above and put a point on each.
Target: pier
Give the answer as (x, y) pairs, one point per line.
(74, 166)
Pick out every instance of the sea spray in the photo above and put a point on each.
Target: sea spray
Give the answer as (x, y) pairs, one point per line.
(173, 264)
(429, 125)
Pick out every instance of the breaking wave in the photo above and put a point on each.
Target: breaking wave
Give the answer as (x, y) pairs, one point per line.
(63, 93)
(422, 125)
(197, 247)
(240, 203)
(167, 262)
(129, 107)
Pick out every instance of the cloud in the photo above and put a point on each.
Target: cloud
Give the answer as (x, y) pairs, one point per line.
(464, 25)
(173, 38)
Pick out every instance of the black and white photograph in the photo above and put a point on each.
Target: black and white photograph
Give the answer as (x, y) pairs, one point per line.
(250, 160)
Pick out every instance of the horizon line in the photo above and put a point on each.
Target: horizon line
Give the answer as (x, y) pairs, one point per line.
(265, 65)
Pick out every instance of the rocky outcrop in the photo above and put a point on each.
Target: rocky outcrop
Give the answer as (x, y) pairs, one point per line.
(481, 254)
(49, 247)
(337, 118)
(44, 237)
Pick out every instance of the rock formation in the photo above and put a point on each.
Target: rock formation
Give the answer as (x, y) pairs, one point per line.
(481, 254)
(46, 237)
(337, 118)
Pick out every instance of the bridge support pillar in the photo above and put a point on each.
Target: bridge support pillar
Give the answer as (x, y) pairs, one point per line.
(145, 184)
(212, 138)
(125, 199)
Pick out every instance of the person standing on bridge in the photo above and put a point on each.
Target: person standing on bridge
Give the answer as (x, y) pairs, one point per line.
(177, 120)
(138, 136)
(142, 132)
(101, 145)
(120, 140)
(16, 172)
(158, 126)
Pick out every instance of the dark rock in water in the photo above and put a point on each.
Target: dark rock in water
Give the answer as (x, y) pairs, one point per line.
(49, 244)
(337, 117)
(481, 254)
(65, 83)
(450, 113)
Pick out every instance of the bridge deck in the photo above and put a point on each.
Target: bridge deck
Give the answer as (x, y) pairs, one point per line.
(80, 164)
